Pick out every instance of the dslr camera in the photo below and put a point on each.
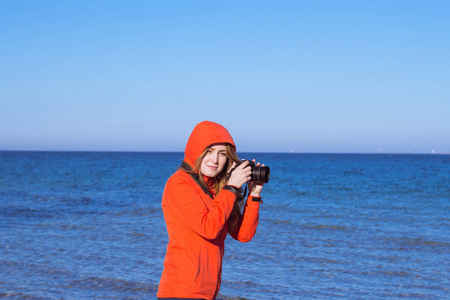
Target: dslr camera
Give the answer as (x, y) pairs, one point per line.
(261, 174)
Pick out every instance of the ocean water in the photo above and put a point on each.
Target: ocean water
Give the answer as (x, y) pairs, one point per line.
(80, 225)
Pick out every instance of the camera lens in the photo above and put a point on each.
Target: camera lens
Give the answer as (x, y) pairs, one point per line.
(261, 174)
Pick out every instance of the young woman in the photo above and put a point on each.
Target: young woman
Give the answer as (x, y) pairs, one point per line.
(200, 205)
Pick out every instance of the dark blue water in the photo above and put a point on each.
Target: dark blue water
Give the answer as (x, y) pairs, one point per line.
(90, 225)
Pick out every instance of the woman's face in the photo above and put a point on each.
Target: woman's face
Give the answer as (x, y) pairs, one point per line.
(214, 160)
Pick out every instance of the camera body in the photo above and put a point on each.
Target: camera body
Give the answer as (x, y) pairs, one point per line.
(259, 173)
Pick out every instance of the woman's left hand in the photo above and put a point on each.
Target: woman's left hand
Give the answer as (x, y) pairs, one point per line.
(255, 187)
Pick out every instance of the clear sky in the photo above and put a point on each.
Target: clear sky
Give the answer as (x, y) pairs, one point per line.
(304, 76)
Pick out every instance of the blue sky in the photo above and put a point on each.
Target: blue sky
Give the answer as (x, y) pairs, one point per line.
(303, 76)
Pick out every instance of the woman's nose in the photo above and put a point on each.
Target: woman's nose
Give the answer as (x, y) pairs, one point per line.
(215, 158)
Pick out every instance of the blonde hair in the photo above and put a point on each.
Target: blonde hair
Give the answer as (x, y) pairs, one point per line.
(218, 182)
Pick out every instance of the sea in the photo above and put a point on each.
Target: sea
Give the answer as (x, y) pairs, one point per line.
(89, 225)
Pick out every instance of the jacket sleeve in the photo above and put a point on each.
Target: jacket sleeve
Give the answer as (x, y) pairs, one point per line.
(248, 222)
(185, 200)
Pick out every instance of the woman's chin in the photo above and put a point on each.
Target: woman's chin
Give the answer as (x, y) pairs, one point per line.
(210, 172)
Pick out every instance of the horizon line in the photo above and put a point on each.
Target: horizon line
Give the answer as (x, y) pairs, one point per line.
(262, 152)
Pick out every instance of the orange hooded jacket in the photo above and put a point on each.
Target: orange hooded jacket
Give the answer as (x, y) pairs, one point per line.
(197, 225)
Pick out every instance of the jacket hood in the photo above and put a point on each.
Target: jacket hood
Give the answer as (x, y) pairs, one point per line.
(205, 134)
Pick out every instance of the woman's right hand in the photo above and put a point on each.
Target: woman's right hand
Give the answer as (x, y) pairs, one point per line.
(240, 175)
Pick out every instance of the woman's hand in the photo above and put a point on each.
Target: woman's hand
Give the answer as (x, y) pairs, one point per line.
(240, 175)
(255, 187)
